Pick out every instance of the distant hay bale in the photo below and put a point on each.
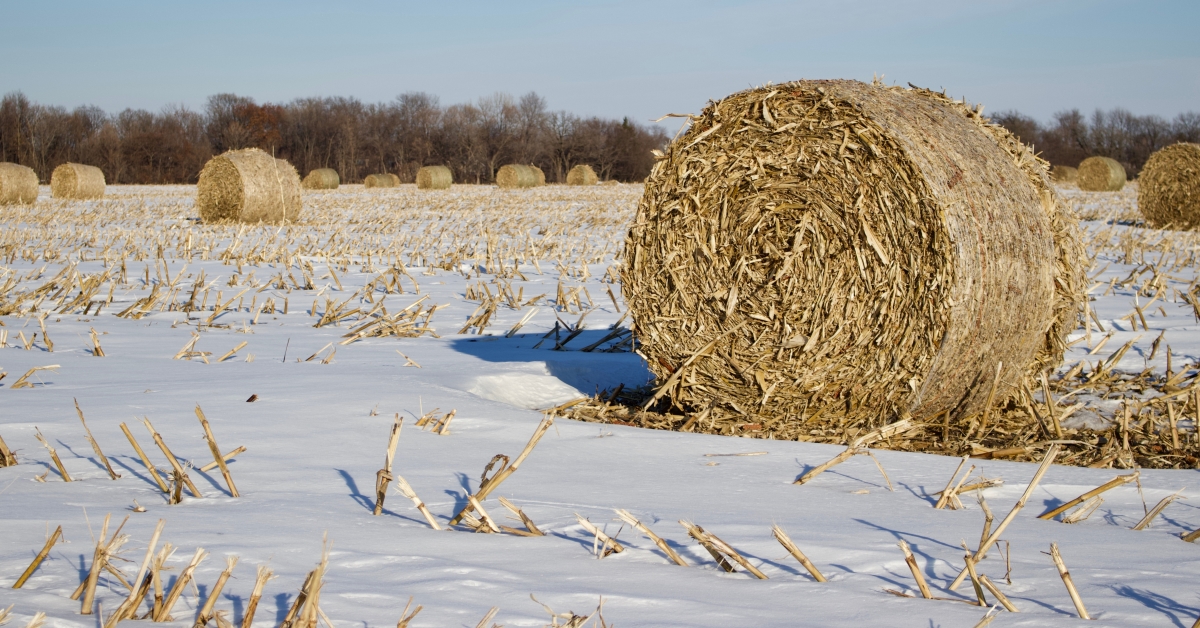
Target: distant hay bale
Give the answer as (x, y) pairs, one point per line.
(823, 256)
(77, 181)
(1064, 174)
(1169, 187)
(322, 179)
(382, 180)
(249, 186)
(582, 175)
(1100, 174)
(18, 184)
(434, 178)
(519, 176)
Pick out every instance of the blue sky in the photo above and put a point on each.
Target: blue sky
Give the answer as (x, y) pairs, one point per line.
(641, 59)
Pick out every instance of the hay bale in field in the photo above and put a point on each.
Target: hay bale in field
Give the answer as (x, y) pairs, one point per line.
(18, 184)
(582, 175)
(322, 179)
(248, 185)
(1064, 174)
(434, 178)
(1169, 187)
(77, 181)
(1100, 174)
(821, 256)
(519, 176)
(381, 180)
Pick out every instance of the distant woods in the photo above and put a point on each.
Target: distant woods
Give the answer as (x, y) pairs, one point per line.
(357, 139)
(1072, 137)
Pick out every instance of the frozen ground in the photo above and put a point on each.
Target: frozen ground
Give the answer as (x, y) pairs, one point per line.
(317, 432)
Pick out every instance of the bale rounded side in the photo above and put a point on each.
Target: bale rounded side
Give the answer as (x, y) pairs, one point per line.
(1100, 174)
(250, 186)
(77, 181)
(539, 175)
(1169, 187)
(322, 179)
(434, 178)
(819, 257)
(518, 176)
(582, 175)
(18, 184)
(1064, 174)
(381, 180)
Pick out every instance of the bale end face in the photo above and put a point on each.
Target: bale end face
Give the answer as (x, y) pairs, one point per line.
(1169, 187)
(248, 186)
(77, 182)
(808, 257)
(434, 178)
(18, 184)
(1100, 174)
(582, 175)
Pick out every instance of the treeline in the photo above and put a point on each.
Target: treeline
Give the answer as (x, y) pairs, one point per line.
(1072, 137)
(352, 137)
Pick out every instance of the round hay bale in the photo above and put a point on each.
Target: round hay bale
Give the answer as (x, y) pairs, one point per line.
(821, 256)
(382, 180)
(434, 178)
(582, 175)
(1064, 174)
(18, 184)
(322, 179)
(1169, 187)
(250, 186)
(1100, 174)
(519, 176)
(77, 181)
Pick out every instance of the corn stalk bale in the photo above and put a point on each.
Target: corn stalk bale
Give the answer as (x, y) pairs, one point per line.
(1169, 187)
(434, 178)
(248, 186)
(519, 176)
(382, 180)
(1100, 174)
(541, 176)
(322, 179)
(77, 181)
(842, 254)
(18, 184)
(582, 175)
(1064, 174)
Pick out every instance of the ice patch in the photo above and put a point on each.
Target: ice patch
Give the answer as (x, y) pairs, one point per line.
(524, 390)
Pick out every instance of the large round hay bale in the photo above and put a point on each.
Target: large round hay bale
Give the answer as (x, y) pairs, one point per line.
(322, 179)
(1064, 174)
(582, 175)
(77, 181)
(1169, 187)
(519, 176)
(434, 178)
(18, 184)
(381, 180)
(1100, 174)
(250, 186)
(821, 256)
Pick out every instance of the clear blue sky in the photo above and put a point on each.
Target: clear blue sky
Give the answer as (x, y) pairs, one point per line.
(641, 59)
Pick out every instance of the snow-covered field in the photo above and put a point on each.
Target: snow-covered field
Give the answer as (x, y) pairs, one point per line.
(317, 432)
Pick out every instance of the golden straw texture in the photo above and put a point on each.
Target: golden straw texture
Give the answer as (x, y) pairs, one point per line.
(1169, 187)
(77, 181)
(383, 180)
(582, 175)
(519, 176)
(832, 253)
(249, 186)
(18, 184)
(322, 179)
(434, 178)
(1100, 174)
(1064, 174)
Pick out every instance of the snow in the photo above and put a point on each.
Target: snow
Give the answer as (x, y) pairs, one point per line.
(316, 436)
